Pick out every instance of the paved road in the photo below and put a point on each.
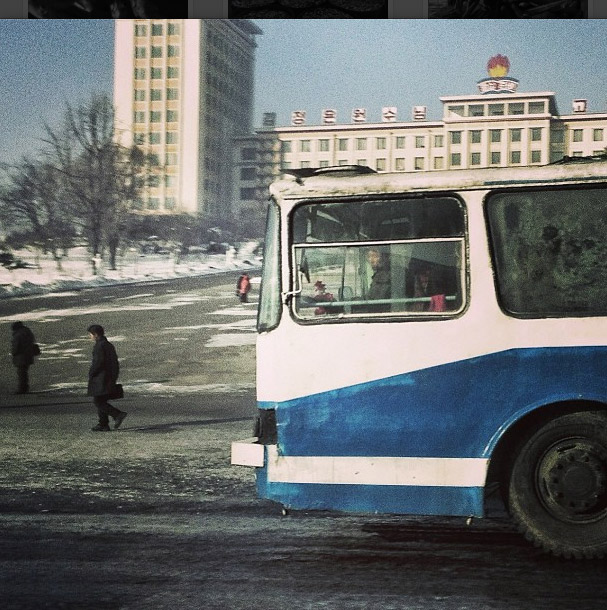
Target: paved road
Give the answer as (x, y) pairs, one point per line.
(154, 517)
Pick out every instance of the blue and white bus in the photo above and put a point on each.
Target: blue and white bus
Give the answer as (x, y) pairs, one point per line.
(423, 337)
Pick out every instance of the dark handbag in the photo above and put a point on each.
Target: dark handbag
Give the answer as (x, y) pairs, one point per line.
(117, 392)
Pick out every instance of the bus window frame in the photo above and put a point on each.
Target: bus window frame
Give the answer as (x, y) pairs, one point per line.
(386, 317)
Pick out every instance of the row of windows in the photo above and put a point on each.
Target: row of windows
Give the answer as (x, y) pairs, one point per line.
(155, 116)
(155, 137)
(168, 181)
(154, 203)
(172, 29)
(455, 137)
(157, 51)
(499, 109)
(155, 95)
(381, 165)
(577, 135)
(156, 73)
(170, 159)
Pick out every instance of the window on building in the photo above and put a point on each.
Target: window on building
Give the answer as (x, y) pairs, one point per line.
(537, 107)
(172, 94)
(578, 135)
(139, 116)
(380, 143)
(475, 136)
(153, 203)
(342, 144)
(439, 162)
(248, 154)
(476, 110)
(342, 162)
(380, 165)
(496, 135)
(558, 136)
(139, 139)
(361, 143)
(170, 181)
(155, 137)
(456, 137)
(173, 29)
(475, 158)
(172, 72)
(456, 110)
(156, 73)
(156, 29)
(577, 153)
(286, 165)
(323, 164)
(496, 109)
(439, 141)
(247, 193)
(456, 159)
(139, 95)
(139, 73)
(140, 52)
(496, 158)
(141, 30)
(420, 142)
(156, 51)
(419, 163)
(172, 158)
(172, 116)
(362, 162)
(323, 145)
(169, 203)
(536, 156)
(304, 146)
(173, 50)
(516, 108)
(171, 137)
(515, 135)
(247, 173)
(400, 141)
(515, 156)
(286, 146)
(155, 95)
(399, 164)
(597, 135)
(536, 134)
(304, 164)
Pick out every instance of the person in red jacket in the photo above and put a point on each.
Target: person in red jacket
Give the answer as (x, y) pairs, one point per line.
(244, 287)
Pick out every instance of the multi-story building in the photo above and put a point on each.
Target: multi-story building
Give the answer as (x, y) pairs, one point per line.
(183, 90)
(498, 127)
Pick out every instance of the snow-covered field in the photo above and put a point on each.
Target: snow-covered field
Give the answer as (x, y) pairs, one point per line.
(77, 270)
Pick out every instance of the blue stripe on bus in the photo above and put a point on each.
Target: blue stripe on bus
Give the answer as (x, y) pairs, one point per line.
(452, 410)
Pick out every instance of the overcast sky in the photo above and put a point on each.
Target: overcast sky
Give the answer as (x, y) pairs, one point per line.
(314, 64)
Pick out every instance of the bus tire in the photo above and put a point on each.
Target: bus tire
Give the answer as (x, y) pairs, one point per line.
(558, 486)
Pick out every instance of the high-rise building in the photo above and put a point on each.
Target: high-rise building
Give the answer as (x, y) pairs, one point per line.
(183, 90)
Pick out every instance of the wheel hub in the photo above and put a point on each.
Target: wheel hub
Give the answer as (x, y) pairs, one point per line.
(572, 480)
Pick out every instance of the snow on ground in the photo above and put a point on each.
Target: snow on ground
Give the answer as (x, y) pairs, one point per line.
(43, 276)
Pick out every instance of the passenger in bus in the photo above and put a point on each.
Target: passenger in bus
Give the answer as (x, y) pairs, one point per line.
(380, 280)
(426, 282)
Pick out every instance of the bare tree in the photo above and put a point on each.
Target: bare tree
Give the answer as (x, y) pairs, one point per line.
(102, 178)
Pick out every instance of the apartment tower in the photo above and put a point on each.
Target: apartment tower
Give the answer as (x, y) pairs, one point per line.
(183, 90)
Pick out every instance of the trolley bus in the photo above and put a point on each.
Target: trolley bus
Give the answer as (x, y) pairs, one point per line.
(425, 337)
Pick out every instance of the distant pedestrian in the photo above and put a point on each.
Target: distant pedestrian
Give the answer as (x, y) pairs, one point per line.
(243, 287)
(23, 350)
(103, 375)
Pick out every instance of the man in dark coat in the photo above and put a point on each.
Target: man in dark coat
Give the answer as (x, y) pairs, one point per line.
(23, 351)
(103, 375)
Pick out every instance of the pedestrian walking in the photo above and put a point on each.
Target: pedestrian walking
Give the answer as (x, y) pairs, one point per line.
(103, 375)
(23, 350)
(243, 287)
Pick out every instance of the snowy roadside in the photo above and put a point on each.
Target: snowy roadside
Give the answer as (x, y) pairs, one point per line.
(43, 277)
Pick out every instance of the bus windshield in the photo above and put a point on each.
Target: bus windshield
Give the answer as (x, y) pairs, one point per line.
(391, 257)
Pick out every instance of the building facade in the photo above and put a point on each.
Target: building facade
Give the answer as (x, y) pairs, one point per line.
(497, 127)
(183, 91)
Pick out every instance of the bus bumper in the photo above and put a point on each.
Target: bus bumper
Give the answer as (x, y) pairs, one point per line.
(248, 452)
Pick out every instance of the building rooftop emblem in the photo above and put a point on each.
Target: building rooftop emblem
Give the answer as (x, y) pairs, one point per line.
(498, 67)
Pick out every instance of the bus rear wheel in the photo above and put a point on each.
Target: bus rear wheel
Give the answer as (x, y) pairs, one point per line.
(558, 486)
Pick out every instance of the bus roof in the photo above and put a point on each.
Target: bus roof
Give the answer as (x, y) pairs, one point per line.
(358, 180)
